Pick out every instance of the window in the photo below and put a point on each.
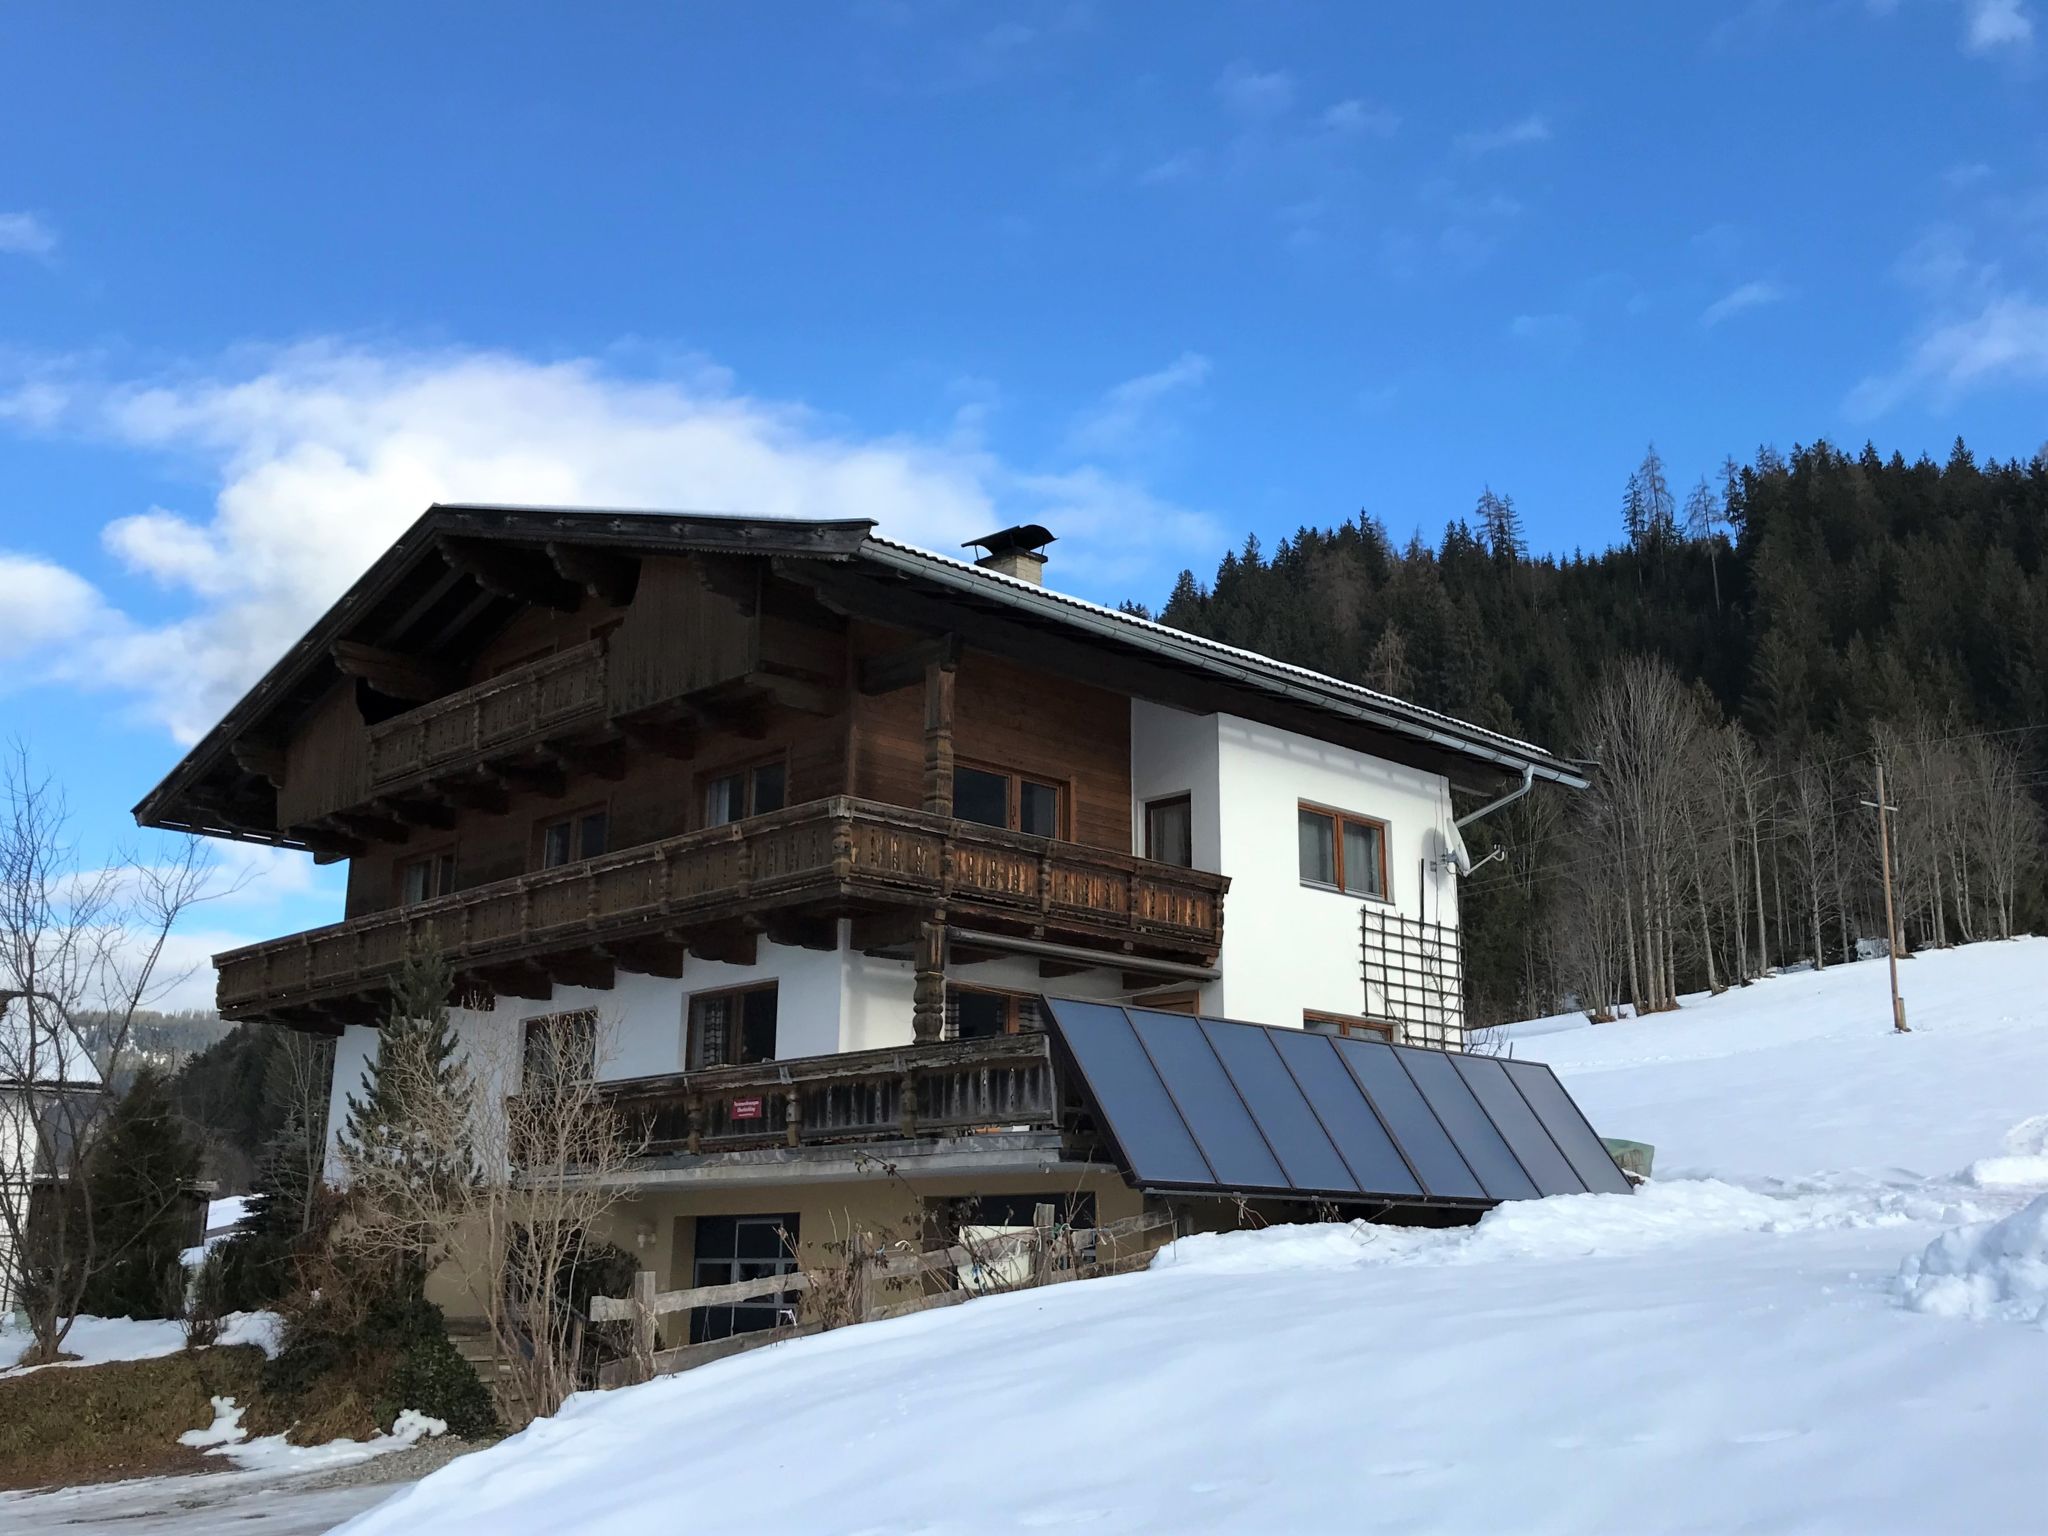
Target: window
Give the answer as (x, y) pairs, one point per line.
(424, 878)
(581, 836)
(734, 1248)
(1347, 1025)
(973, 1013)
(745, 792)
(1170, 831)
(994, 798)
(728, 1029)
(1346, 853)
(559, 1047)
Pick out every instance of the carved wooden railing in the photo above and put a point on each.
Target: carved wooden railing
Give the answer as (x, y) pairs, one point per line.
(840, 852)
(514, 710)
(955, 1087)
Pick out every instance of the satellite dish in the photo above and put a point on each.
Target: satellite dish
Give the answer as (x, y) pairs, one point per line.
(1454, 852)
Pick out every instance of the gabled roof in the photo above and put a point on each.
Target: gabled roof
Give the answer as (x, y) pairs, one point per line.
(412, 597)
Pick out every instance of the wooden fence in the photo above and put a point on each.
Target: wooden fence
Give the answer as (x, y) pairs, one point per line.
(1050, 1254)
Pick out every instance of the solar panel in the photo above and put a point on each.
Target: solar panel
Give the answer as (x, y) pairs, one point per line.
(1375, 1162)
(1138, 1112)
(1511, 1115)
(1589, 1157)
(1484, 1149)
(1292, 1130)
(1207, 1100)
(1414, 1124)
(1232, 1108)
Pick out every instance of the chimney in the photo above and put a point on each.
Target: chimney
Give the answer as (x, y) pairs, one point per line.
(1018, 552)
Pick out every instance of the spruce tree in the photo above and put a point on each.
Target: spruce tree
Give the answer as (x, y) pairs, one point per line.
(142, 1174)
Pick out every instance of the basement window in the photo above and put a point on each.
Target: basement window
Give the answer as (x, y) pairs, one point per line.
(730, 1029)
(1343, 852)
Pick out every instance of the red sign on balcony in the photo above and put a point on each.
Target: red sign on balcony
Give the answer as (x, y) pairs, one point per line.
(747, 1109)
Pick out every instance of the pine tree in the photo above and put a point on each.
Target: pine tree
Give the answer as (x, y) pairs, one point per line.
(143, 1170)
(416, 1060)
(1500, 525)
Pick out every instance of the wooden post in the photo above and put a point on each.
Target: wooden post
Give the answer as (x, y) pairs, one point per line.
(938, 736)
(643, 1325)
(928, 997)
(1891, 923)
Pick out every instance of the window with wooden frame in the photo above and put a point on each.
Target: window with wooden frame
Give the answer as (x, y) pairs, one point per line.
(732, 1028)
(558, 1048)
(979, 1013)
(1349, 1025)
(754, 790)
(1170, 831)
(999, 797)
(580, 835)
(426, 876)
(1343, 852)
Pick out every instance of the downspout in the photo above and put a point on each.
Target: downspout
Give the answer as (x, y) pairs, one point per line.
(1528, 783)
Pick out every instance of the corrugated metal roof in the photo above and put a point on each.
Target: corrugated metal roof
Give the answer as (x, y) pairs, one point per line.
(1148, 630)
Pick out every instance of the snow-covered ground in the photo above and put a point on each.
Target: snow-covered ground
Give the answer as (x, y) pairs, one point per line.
(1777, 1335)
(98, 1340)
(1807, 1323)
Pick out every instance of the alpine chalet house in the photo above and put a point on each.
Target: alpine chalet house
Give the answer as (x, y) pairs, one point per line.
(900, 881)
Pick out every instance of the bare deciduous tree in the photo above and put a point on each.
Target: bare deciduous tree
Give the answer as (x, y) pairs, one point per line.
(74, 941)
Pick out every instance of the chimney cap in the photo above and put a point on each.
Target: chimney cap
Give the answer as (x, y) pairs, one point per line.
(1029, 537)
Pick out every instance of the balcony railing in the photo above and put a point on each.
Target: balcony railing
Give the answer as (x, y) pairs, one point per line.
(509, 713)
(957, 1087)
(835, 856)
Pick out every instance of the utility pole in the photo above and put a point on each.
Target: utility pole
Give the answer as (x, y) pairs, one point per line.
(1891, 925)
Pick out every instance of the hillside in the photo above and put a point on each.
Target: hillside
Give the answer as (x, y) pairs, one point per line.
(1731, 1348)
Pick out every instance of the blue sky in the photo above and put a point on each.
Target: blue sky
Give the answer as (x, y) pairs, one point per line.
(273, 278)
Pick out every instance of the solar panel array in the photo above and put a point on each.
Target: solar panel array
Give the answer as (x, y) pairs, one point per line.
(1213, 1104)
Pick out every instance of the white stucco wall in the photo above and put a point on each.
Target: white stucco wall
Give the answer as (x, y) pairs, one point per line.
(1289, 947)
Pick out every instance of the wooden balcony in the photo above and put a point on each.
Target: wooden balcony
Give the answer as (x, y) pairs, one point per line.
(953, 1088)
(543, 700)
(711, 892)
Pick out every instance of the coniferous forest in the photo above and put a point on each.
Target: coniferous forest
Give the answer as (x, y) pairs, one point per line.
(1738, 663)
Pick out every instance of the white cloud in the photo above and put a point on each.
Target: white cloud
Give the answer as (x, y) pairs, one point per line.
(1533, 129)
(42, 603)
(324, 452)
(1129, 416)
(2004, 342)
(1748, 296)
(25, 234)
(1992, 26)
(1251, 92)
(1361, 117)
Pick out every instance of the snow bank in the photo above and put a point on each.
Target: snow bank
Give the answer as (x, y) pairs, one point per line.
(1994, 1271)
(98, 1340)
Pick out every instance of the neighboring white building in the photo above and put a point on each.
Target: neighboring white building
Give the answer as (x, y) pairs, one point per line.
(40, 1073)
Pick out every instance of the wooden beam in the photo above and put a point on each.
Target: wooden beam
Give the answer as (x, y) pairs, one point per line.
(939, 675)
(370, 828)
(881, 933)
(414, 811)
(597, 759)
(673, 739)
(796, 693)
(606, 576)
(732, 943)
(392, 672)
(265, 759)
(511, 573)
(657, 956)
(900, 668)
(802, 931)
(928, 988)
(483, 792)
(545, 779)
(519, 978)
(582, 968)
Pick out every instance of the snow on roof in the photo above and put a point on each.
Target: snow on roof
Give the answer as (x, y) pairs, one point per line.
(1156, 632)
